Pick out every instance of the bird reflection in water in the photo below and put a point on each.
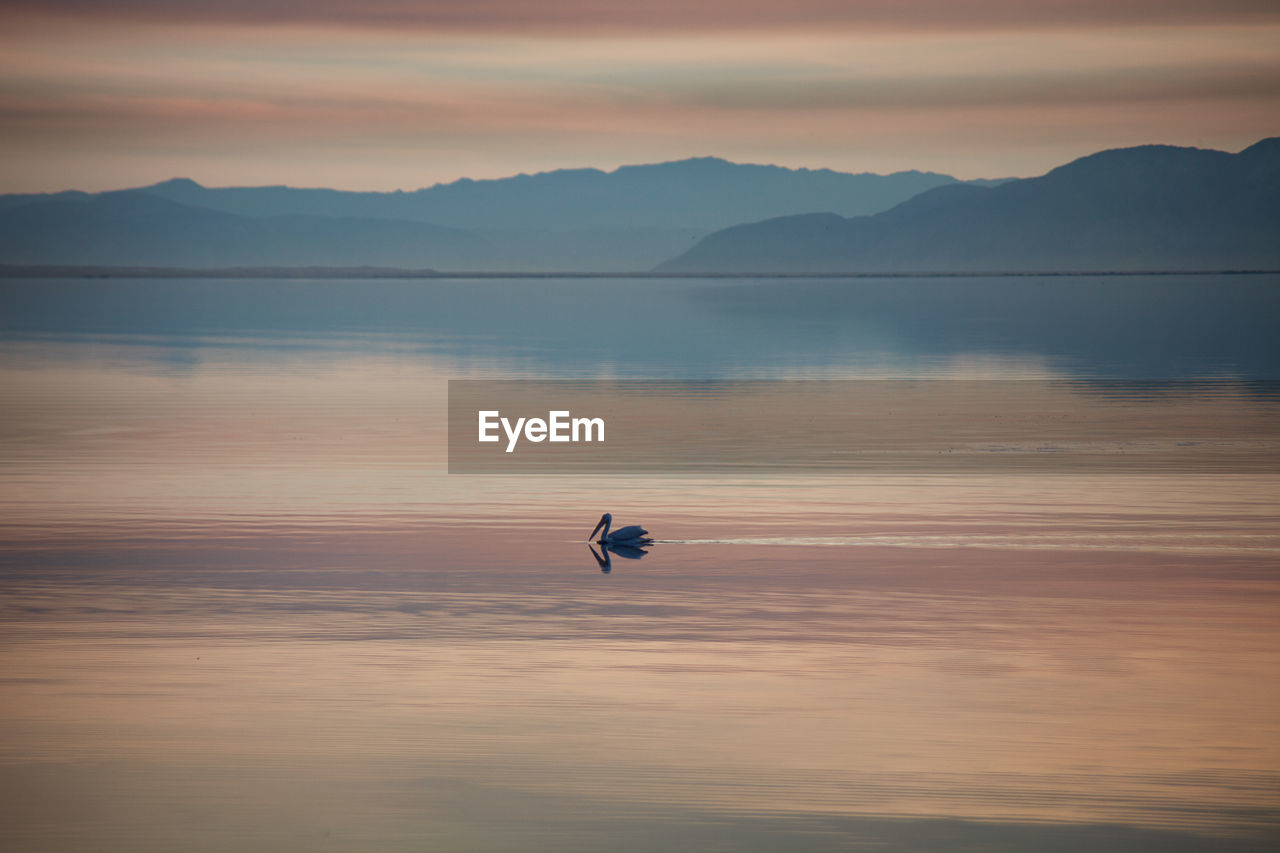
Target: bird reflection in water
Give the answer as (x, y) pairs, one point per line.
(605, 561)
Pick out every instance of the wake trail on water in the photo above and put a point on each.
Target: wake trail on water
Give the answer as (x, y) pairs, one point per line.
(1185, 543)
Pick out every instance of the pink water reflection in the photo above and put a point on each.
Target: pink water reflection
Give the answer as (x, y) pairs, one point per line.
(234, 609)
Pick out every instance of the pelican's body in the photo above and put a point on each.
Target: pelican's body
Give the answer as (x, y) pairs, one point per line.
(624, 534)
(632, 534)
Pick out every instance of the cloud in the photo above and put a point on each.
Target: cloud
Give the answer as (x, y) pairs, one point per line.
(629, 16)
(131, 92)
(1042, 90)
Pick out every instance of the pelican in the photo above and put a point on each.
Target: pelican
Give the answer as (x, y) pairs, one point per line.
(632, 535)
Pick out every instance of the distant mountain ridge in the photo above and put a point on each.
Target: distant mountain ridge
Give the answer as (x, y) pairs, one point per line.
(700, 193)
(132, 228)
(572, 220)
(1150, 207)
(1154, 207)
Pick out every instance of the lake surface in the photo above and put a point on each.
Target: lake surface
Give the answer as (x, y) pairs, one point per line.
(243, 605)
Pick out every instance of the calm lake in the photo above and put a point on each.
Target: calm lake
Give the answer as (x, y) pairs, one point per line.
(244, 606)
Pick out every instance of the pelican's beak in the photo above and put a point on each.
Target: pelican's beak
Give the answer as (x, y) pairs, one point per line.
(598, 526)
(602, 562)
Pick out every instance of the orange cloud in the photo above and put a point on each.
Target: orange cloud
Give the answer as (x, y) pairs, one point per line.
(615, 16)
(104, 103)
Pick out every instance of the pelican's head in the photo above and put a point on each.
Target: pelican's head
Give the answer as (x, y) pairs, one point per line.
(605, 521)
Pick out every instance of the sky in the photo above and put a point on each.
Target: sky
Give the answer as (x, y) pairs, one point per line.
(394, 94)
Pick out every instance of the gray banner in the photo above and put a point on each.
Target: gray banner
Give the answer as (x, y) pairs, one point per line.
(861, 426)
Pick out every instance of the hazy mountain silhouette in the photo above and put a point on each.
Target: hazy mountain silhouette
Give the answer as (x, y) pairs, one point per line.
(704, 193)
(1151, 207)
(21, 199)
(136, 228)
(570, 220)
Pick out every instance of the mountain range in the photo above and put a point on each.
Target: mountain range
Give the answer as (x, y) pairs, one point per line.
(1154, 207)
(567, 220)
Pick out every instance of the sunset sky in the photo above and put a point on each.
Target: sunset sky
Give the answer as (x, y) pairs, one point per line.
(392, 94)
